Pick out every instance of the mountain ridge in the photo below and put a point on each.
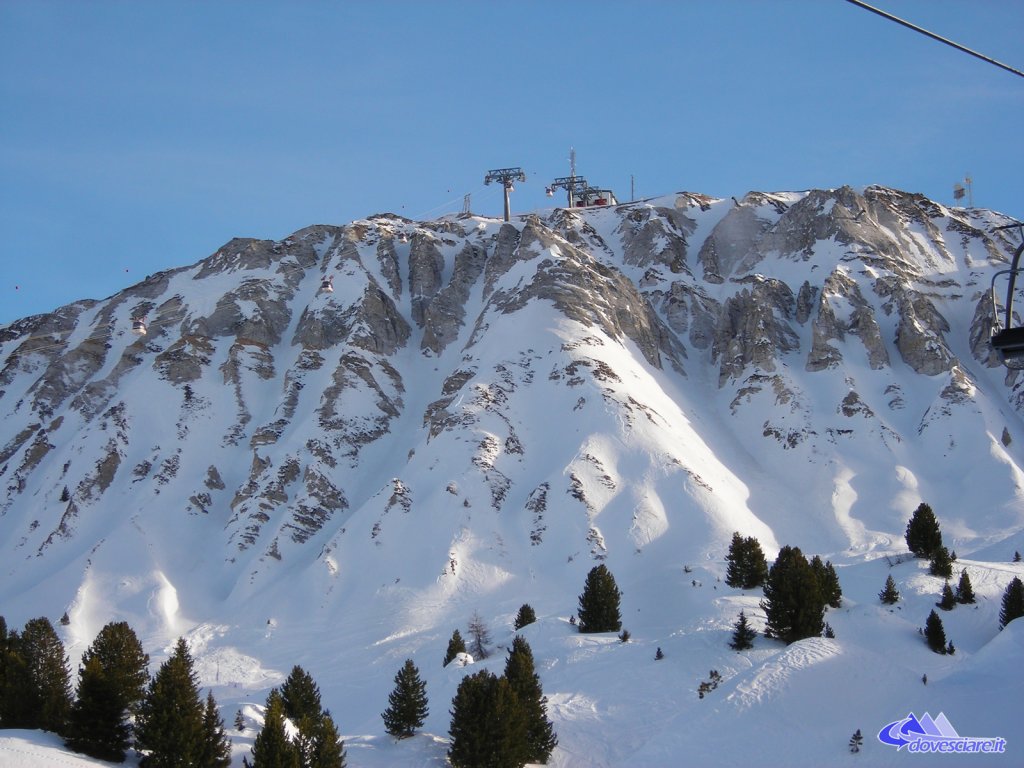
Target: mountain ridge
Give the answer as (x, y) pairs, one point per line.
(480, 408)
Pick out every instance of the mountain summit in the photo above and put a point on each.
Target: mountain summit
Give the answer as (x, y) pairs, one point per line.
(479, 412)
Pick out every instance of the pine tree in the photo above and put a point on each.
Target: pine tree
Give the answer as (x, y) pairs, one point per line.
(1013, 602)
(326, 747)
(856, 741)
(49, 692)
(923, 534)
(934, 634)
(599, 602)
(120, 654)
(964, 590)
(272, 749)
(747, 567)
(828, 581)
(948, 600)
(743, 634)
(18, 695)
(525, 616)
(216, 751)
(169, 730)
(487, 727)
(1016, 556)
(793, 604)
(97, 725)
(889, 593)
(941, 564)
(300, 696)
(522, 676)
(480, 636)
(407, 703)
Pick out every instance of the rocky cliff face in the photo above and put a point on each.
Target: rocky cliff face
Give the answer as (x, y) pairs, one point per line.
(581, 371)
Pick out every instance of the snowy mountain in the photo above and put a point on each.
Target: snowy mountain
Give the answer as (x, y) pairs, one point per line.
(481, 411)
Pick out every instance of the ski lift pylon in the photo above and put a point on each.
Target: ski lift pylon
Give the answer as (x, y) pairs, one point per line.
(1008, 341)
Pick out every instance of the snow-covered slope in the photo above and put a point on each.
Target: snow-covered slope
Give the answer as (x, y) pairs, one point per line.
(480, 411)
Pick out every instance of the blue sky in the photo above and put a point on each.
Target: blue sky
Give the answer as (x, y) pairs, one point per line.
(137, 136)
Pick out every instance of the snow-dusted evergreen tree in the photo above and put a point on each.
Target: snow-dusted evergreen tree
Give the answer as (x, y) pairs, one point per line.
(923, 534)
(743, 634)
(1013, 602)
(889, 593)
(522, 676)
(599, 602)
(407, 703)
(965, 590)
(456, 645)
(934, 633)
(525, 616)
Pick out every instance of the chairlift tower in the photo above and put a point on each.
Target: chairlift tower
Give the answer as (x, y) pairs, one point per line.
(506, 176)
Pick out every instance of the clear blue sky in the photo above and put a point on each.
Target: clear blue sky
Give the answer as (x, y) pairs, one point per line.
(139, 135)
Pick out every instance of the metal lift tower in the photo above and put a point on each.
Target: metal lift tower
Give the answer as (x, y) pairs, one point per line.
(506, 176)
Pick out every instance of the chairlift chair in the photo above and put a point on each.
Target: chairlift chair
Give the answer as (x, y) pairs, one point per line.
(1008, 341)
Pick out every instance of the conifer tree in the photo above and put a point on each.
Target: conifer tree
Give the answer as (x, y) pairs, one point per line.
(1013, 602)
(934, 633)
(889, 593)
(407, 703)
(300, 696)
(743, 634)
(455, 646)
(18, 697)
(525, 616)
(216, 749)
(941, 564)
(272, 749)
(964, 590)
(169, 730)
(599, 602)
(123, 661)
(97, 725)
(326, 749)
(480, 636)
(48, 702)
(828, 580)
(747, 567)
(522, 676)
(923, 534)
(856, 741)
(487, 727)
(793, 604)
(948, 601)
